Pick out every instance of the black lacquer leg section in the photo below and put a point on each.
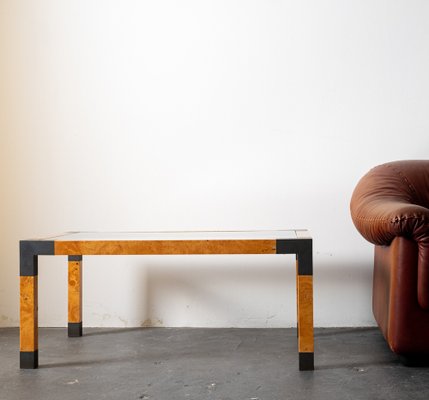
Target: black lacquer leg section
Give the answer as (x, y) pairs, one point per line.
(306, 361)
(75, 329)
(29, 359)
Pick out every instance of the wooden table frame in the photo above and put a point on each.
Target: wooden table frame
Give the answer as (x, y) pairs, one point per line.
(300, 245)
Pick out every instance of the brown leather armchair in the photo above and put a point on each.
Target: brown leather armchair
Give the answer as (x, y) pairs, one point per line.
(390, 208)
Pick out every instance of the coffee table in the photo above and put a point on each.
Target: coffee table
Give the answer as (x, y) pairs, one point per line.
(75, 245)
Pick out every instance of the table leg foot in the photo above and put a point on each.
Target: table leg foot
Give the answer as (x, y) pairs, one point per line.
(75, 329)
(306, 361)
(29, 359)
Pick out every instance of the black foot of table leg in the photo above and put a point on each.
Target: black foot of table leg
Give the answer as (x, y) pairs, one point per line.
(306, 361)
(29, 359)
(75, 329)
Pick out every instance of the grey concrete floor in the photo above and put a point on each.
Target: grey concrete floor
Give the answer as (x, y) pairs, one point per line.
(218, 364)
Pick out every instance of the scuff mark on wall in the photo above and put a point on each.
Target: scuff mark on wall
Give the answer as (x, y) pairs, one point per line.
(148, 323)
(7, 322)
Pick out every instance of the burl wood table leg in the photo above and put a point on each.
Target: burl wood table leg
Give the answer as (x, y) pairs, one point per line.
(305, 312)
(29, 250)
(303, 249)
(75, 296)
(28, 346)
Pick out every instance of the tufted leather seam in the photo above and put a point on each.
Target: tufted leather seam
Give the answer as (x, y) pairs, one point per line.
(394, 220)
(369, 218)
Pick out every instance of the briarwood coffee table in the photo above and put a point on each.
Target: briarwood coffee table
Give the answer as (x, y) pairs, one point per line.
(75, 245)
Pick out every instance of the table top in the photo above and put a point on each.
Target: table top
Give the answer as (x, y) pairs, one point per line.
(169, 243)
(78, 244)
(179, 235)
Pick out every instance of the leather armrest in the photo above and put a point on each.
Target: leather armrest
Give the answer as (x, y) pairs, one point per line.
(380, 220)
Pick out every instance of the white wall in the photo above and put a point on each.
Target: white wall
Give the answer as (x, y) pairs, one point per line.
(177, 115)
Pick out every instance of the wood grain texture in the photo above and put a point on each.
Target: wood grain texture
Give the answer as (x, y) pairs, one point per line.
(164, 247)
(74, 291)
(28, 313)
(305, 313)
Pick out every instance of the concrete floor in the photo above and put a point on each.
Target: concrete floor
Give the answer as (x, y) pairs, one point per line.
(218, 364)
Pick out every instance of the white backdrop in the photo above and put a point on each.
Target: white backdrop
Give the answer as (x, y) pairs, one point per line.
(177, 115)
